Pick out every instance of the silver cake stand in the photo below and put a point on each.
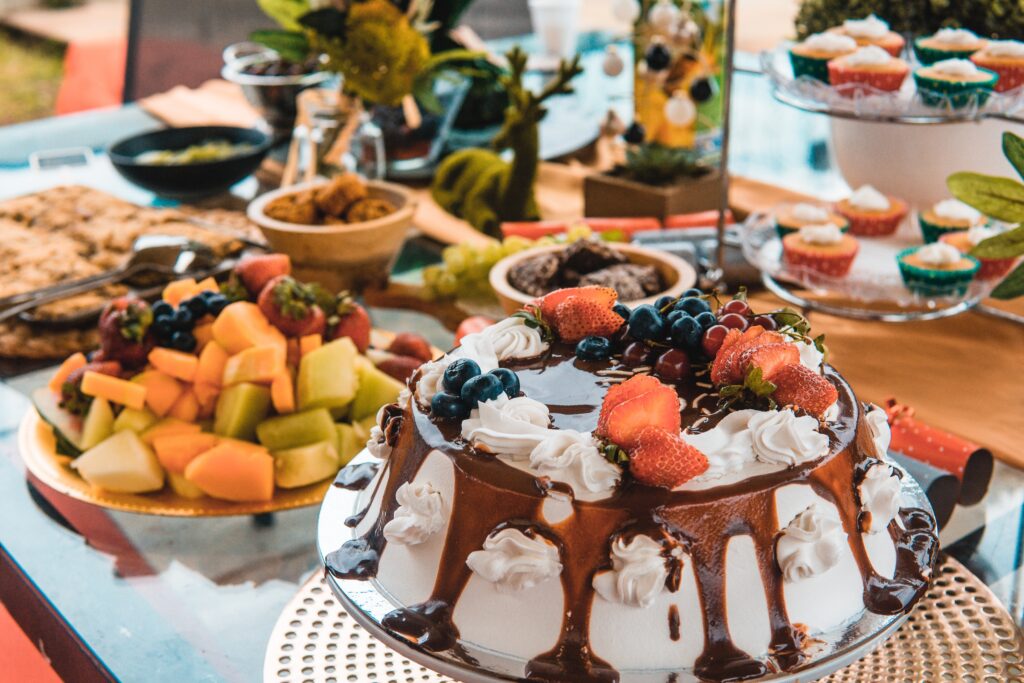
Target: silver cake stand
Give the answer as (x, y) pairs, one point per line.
(366, 602)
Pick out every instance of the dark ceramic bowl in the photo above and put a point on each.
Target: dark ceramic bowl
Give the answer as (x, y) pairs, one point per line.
(189, 181)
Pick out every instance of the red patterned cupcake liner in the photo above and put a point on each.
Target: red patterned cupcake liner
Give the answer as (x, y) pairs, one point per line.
(850, 81)
(835, 265)
(874, 225)
(991, 268)
(1011, 76)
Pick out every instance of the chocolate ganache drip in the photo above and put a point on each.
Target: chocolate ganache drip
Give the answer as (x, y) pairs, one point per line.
(701, 521)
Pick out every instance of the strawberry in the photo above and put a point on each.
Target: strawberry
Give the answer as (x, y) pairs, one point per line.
(350, 320)
(577, 317)
(256, 271)
(472, 325)
(662, 458)
(769, 357)
(800, 386)
(291, 307)
(399, 367)
(631, 388)
(731, 337)
(71, 397)
(728, 368)
(657, 406)
(605, 297)
(411, 344)
(124, 331)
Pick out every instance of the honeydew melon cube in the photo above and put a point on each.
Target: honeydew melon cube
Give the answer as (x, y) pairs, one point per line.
(349, 443)
(98, 423)
(327, 376)
(183, 487)
(375, 390)
(294, 467)
(298, 429)
(121, 463)
(239, 409)
(137, 421)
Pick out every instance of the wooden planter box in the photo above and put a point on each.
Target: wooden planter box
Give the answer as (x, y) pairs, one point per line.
(606, 196)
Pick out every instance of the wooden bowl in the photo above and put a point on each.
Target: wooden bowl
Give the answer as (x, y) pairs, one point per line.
(349, 256)
(675, 272)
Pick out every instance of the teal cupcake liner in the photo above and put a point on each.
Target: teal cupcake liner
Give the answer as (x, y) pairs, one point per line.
(956, 94)
(932, 232)
(784, 230)
(813, 67)
(928, 282)
(929, 55)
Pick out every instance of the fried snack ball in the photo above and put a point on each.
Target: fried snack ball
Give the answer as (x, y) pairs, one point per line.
(368, 209)
(293, 208)
(334, 198)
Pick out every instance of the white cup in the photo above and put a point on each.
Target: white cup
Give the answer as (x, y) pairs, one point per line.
(556, 23)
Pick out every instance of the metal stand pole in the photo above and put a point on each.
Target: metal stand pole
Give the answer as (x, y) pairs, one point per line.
(723, 206)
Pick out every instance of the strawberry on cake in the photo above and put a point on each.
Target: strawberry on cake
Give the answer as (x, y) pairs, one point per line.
(598, 493)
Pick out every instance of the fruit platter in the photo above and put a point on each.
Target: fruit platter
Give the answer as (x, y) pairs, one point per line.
(225, 398)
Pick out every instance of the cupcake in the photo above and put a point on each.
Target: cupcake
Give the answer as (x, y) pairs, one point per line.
(965, 240)
(954, 82)
(872, 31)
(820, 248)
(869, 68)
(810, 58)
(949, 215)
(791, 217)
(947, 43)
(871, 213)
(937, 269)
(1006, 58)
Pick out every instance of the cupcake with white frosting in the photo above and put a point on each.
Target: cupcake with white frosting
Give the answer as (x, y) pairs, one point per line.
(966, 240)
(955, 83)
(872, 213)
(810, 57)
(947, 216)
(820, 248)
(872, 30)
(1006, 58)
(937, 269)
(868, 70)
(789, 218)
(947, 43)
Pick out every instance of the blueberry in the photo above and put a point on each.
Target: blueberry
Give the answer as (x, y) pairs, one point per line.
(646, 323)
(706, 319)
(183, 340)
(693, 291)
(481, 388)
(593, 348)
(197, 305)
(509, 380)
(622, 310)
(674, 315)
(182, 319)
(663, 302)
(448, 406)
(216, 302)
(456, 374)
(162, 309)
(208, 294)
(693, 305)
(686, 332)
(163, 327)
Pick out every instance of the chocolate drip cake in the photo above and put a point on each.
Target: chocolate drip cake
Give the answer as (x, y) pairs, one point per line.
(684, 487)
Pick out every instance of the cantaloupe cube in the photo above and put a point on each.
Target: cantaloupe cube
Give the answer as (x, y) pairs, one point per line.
(186, 408)
(234, 473)
(242, 325)
(169, 425)
(70, 364)
(310, 342)
(258, 364)
(207, 397)
(162, 390)
(212, 360)
(177, 364)
(203, 332)
(113, 389)
(207, 285)
(282, 393)
(294, 353)
(176, 451)
(179, 290)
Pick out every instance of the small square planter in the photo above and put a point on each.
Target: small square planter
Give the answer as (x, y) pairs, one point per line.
(613, 197)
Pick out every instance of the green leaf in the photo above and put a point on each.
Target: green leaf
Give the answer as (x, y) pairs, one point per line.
(819, 343)
(285, 12)
(1013, 148)
(1000, 198)
(1012, 286)
(756, 382)
(291, 45)
(1008, 244)
(327, 22)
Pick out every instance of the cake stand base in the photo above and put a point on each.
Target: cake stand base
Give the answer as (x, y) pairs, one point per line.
(958, 632)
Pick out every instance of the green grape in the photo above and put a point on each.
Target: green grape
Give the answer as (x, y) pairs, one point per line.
(455, 258)
(546, 240)
(492, 253)
(578, 231)
(447, 284)
(515, 244)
